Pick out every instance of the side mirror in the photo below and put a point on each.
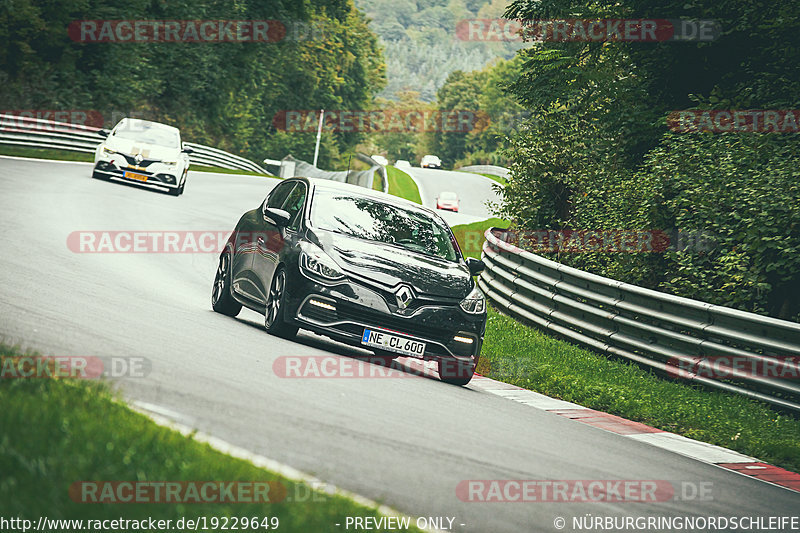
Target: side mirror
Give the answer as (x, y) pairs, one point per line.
(278, 217)
(187, 150)
(475, 266)
(103, 133)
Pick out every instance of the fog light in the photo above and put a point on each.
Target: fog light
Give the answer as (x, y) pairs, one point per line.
(465, 340)
(324, 305)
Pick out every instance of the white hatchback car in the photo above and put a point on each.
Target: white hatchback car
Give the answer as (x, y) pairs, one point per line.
(380, 160)
(144, 152)
(430, 161)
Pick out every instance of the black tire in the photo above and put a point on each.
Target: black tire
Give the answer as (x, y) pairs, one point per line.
(221, 299)
(274, 321)
(98, 176)
(454, 372)
(175, 192)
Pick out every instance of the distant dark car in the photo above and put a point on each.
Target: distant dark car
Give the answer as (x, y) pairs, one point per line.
(359, 266)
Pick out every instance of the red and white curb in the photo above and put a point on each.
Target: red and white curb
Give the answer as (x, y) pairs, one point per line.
(700, 451)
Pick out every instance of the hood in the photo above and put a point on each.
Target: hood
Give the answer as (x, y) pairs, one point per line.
(148, 151)
(389, 265)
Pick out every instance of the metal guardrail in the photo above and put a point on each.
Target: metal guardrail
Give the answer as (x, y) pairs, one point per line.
(380, 169)
(487, 169)
(362, 178)
(717, 346)
(28, 131)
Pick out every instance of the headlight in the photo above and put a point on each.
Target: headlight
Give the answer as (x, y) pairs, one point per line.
(474, 303)
(107, 150)
(170, 163)
(318, 264)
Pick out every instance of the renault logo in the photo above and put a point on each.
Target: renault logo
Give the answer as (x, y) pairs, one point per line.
(138, 158)
(404, 296)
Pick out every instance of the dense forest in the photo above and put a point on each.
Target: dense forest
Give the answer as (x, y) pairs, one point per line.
(223, 94)
(421, 45)
(597, 152)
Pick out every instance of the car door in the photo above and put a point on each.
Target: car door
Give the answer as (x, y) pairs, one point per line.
(271, 247)
(250, 235)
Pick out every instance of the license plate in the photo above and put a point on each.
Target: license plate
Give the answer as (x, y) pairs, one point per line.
(135, 176)
(384, 340)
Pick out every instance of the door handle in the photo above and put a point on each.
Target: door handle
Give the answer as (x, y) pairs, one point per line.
(261, 242)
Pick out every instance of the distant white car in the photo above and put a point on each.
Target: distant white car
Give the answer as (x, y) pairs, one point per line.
(144, 152)
(380, 160)
(430, 161)
(402, 163)
(447, 200)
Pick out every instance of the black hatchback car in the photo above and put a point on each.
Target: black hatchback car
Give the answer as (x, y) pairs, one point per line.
(359, 266)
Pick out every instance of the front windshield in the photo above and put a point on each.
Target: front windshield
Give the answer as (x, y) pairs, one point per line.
(150, 134)
(374, 220)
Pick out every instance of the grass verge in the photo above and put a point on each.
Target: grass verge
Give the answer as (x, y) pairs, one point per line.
(220, 170)
(57, 432)
(520, 355)
(470, 236)
(524, 356)
(377, 181)
(67, 155)
(46, 153)
(401, 184)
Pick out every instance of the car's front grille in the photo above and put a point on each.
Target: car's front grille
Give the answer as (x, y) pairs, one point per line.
(351, 319)
(143, 164)
(363, 315)
(354, 329)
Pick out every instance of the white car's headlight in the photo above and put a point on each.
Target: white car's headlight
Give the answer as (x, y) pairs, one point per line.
(107, 150)
(474, 303)
(319, 264)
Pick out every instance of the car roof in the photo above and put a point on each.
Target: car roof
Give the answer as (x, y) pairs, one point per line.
(349, 188)
(141, 123)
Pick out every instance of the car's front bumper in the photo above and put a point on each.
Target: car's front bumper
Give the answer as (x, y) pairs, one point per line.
(357, 307)
(169, 177)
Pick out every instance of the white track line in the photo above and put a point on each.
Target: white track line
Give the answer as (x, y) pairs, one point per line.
(260, 461)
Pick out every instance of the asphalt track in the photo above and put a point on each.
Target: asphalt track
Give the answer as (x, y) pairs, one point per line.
(403, 442)
(473, 192)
